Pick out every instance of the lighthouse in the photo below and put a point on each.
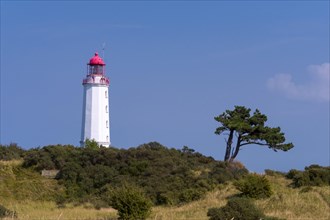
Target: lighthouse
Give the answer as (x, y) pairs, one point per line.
(95, 117)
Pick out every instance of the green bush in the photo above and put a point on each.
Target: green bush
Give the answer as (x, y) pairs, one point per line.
(4, 212)
(91, 144)
(130, 202)
(224, 171)
(236, 169)
(292, 173)
(189, 195)
(11, 152)
(313, 175)
(238, 209)
(254, 186)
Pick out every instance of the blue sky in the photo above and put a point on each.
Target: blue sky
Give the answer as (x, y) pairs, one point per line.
(173, 66)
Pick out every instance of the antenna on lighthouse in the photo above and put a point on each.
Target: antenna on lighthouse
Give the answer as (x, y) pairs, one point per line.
(103, 49)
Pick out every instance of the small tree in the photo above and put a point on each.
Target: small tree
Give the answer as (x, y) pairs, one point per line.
(248, 129)
(130, 203)
(254, 186)
(238, 209)
(91, 144)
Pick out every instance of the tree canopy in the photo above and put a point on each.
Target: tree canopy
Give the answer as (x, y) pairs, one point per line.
(248, 129)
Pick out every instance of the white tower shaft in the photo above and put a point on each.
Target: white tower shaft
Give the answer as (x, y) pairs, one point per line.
(95, 118)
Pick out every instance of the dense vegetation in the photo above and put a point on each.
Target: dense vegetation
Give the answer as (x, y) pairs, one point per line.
(167, 176)
(313, 175)
(11, 152)
(132, 180)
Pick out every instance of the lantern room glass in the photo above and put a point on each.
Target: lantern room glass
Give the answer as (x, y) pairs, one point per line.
(95, 69)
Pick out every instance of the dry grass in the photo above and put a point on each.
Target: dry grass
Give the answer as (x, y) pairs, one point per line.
(287, 203)
(38, 210)
(195, 210)
(294, 204)
(17, 183)
(11, 162)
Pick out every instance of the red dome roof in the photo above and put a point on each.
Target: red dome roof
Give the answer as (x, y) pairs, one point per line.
(96, 60)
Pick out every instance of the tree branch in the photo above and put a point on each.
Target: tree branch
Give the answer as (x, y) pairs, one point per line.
(253, 142)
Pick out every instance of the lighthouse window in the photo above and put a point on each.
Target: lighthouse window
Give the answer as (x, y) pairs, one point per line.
(96, 69)
(106, 94)
(91, 70)
(107, 124)
(106, 108)
(107, 138)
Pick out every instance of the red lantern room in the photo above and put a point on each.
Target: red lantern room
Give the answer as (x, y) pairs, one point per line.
(96, 65)
(96, 72)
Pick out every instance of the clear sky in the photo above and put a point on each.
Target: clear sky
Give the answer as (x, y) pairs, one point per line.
(173, 66)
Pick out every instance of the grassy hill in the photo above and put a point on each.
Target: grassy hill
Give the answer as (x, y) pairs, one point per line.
(286, 203)
(30, 195)
(18, 183)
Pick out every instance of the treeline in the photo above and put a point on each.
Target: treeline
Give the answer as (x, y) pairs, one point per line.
(167, 176)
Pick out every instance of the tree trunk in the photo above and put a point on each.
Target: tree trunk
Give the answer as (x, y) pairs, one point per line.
(229, 142)
(238, 145)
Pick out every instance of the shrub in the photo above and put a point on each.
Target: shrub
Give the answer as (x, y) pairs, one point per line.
(189, 195)
(166, 198)
(130, 202)
(292, 173)
(237, 169)
(254, 186)
(11, 152)
(4, 212)
(91, 144)
(300, 179)
(313, 175)
(224, 171)
(238, 209)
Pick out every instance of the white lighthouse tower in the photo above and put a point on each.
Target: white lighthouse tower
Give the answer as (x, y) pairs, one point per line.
(95, 118)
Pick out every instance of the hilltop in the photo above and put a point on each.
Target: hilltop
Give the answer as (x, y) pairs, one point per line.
(182, 184)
